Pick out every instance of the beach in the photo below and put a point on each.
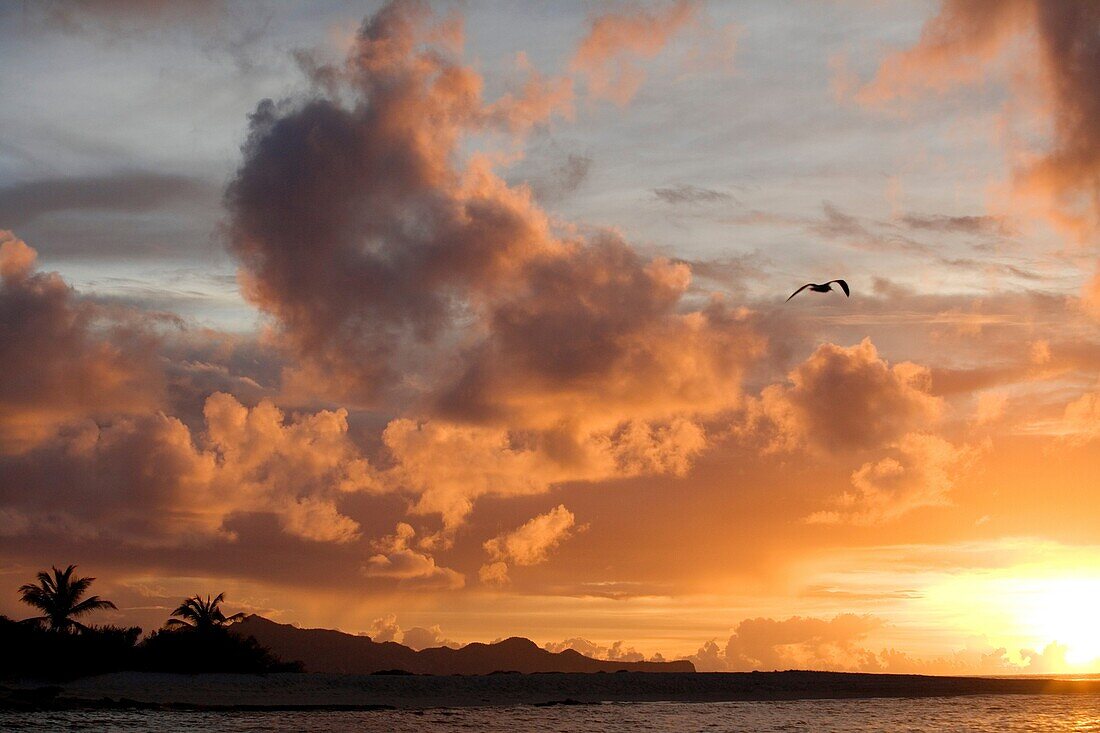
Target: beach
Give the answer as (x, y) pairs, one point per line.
(296, 691)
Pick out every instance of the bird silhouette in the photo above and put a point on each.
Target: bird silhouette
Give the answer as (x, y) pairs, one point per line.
(824, 288)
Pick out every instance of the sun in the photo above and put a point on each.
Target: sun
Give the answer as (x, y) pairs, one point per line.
(1062, 610)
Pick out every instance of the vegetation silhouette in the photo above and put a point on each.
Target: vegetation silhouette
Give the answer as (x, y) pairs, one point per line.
(55, 646)
(198, 639)
(197, 614)
(58, 597)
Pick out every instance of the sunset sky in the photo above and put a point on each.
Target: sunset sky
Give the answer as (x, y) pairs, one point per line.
(451, 322)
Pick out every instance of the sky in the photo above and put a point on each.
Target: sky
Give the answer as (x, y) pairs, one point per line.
(448, 322)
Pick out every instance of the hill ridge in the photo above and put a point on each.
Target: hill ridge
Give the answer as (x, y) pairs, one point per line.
(332, 651)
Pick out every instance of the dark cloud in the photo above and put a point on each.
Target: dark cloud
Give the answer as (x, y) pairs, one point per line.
(358, 233)
(687, 194)
(850, 230)
(731, 272)
(352, 226)
(563, 180)
(963, 224)
(113, 16)
(991, 267)
(129, 192)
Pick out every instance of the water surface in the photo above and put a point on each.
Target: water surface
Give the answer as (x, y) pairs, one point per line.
(979, 714)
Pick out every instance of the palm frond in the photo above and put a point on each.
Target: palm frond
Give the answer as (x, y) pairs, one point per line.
(175, 623)
(58, 596)
(95, 603)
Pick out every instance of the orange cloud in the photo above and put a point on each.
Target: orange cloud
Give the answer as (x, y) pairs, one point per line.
(1082, 418)
(846, 398)
(149, 480)
(447, 466)
(842, 644)
(529, 544)
(920, 473)
(64, 359)
(401, 272)
(617, 651)
(795, 643)
(606, 57)
(386, 629)
(395, 559)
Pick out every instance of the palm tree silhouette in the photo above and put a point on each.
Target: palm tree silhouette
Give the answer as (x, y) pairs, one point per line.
(58, 597)
(199, 615)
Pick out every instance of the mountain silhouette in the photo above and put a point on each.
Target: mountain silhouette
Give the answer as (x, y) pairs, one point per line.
(325, 650)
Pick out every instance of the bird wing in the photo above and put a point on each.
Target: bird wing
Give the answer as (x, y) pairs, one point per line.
(843, 286)
(807, 285)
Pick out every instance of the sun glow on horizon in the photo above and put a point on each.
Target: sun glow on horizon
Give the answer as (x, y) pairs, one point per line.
(1063, 610)
(1026, 614)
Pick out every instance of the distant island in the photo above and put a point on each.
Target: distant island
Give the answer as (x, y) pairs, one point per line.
(202, 659)
(324, 650)
(199, 638)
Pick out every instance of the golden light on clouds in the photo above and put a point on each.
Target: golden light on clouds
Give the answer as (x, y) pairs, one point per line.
(471, 323)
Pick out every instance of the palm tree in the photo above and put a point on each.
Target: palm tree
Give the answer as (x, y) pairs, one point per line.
(58, 597)
(199, 615)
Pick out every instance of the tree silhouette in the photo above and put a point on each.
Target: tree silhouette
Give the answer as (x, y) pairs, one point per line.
(59, 598)
(199, 615)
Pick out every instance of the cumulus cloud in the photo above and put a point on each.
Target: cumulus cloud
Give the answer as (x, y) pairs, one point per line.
(64, 358)
(419, 637)
(386, 628)
(794, 643)
(447, 466)
(846, 398)
(617, 651)
(400, 271)
(149, 480)
(396, 559)
(607, 57)
(843, 643)
(372, 235)
(920, 472)
(529, 544)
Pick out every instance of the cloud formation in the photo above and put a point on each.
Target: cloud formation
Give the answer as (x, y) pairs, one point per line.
(1053, 56)
(129, 191)
(617, 651)
(147, 479)
(386, 628)
(65, 358)
(842, 644)
(529, 544)
(396, 559)
(846, 398)
(687, 194)
(607, 57)
(919, 472)
(400, 271)
(1082, 418)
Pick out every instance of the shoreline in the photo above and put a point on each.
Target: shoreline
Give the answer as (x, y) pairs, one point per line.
(330, 692)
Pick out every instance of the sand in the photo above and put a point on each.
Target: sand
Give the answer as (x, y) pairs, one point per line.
(321, 691)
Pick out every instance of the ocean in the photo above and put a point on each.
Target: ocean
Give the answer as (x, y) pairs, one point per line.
(980, 714)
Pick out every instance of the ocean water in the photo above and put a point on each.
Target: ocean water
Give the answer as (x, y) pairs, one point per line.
(981, 714)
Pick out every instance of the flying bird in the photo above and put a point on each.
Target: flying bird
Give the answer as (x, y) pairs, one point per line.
(824, 288)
